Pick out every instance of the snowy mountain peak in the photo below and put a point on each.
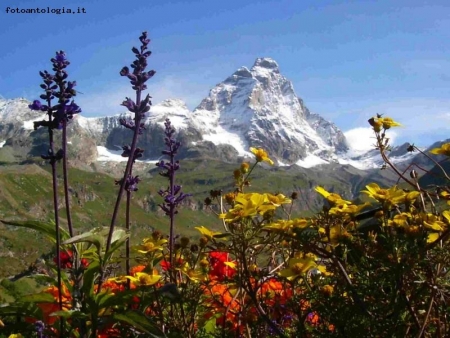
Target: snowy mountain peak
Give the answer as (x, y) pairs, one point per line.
(256, 107)
(172, 103)
(174, 109)
(266, 64)
(16, 111)
(259, 108)
(242, 72)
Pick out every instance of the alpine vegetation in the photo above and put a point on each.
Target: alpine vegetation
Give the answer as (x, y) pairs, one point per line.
(376, 266)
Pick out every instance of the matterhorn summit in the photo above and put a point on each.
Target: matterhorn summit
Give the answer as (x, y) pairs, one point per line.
(259, 108)
(255, 107)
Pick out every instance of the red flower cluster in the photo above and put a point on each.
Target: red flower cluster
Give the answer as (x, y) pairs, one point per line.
(66, 260)
(165, 264)
(219, 269)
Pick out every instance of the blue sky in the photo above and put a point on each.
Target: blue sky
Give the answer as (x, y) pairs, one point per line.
(348, 60)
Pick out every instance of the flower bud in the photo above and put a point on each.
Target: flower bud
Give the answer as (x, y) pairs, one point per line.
(204, 263)
(237, 174)
(327, 290)
(244, 167)
(379, 214)
(184, 241)
(156, 235)
(203, 241)
(208, 201)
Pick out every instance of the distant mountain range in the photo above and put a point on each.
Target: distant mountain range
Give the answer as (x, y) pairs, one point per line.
(255, 107)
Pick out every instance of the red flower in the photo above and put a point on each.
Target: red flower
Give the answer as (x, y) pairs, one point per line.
(66, 260)
(219, 269)
(165, 264)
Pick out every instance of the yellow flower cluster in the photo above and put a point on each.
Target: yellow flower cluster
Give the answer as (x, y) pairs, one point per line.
(300, 266)
(150, 245)
(442, 150)
(261, 155)
(390, 197)
(415, 223)
(339, 205)
(385, 123)
(253, 204)
(286, 226)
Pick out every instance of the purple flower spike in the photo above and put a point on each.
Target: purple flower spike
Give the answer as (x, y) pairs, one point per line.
(125, 71)
(143, 38)
(60, 61)
(138, 76)
(39, 326)
(61, 56)
(130, 125)
(57, 86)
(172, 198)
(71, 109)
(131, 183)
(37, 105)
(127, 152)
(129, 103)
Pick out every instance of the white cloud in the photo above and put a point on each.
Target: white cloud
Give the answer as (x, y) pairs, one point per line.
(185, 89)
(361, 140)
(424, 120)
(108, 102)
(104, 103)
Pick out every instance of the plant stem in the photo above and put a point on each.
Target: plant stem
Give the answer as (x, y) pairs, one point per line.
(127, 172)
(127, 243)
(172, 220)
(66, 177)
(56, 213)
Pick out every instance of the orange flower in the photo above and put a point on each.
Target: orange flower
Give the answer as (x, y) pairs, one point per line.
(313, 319)
(221, 298)
(136, 269)
(49, 308)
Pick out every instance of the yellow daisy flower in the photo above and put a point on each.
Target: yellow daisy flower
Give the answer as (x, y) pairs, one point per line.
(261, 155)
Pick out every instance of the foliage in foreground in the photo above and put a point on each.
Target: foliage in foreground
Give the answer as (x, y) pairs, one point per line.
(346, 272)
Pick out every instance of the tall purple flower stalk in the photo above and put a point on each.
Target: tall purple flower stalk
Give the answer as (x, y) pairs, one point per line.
(40, 327)
(56, 86)
(173, 195)
(138, 77)
(63, 114)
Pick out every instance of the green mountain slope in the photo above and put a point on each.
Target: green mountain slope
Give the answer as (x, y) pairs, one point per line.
(26, 193)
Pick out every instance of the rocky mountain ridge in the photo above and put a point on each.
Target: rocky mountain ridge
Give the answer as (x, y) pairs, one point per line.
(255, 107)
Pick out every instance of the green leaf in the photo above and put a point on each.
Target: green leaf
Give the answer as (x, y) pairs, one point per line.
(42, 297)
(47, 229)
(43, 279)
(70, 314)
(89, 277)
(21, 309)
(122, 298)
(98, 237)
(119, 238)
(140, 322)
(210, 325)
(102, 298)
(119, 234)
(95, 236)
